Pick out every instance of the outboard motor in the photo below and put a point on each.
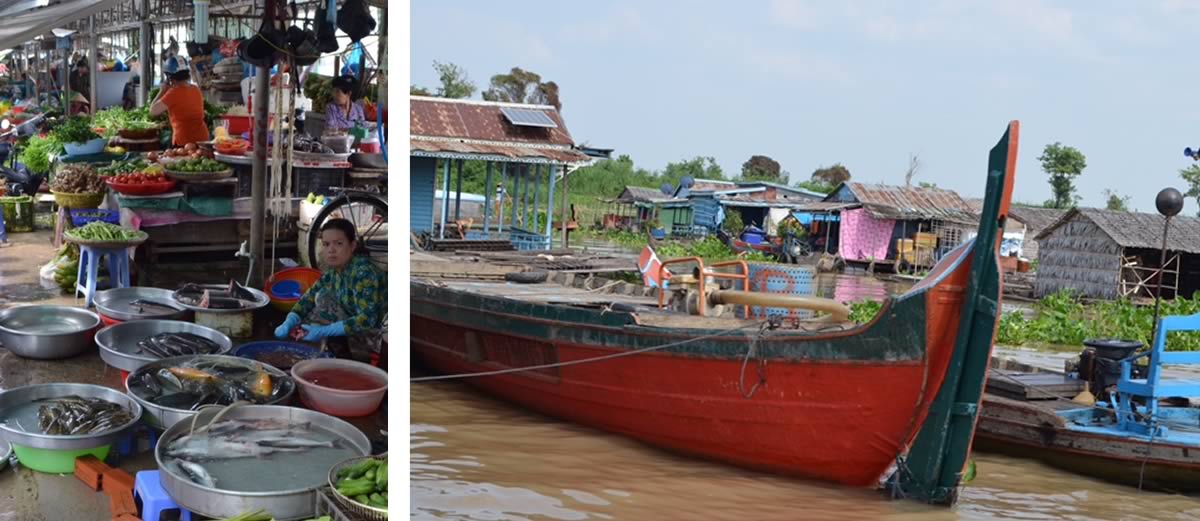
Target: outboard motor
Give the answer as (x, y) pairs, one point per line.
(1100, 363)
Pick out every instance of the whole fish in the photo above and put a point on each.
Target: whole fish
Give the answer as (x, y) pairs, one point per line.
(294, 443)
(197, 473)
(209, 449)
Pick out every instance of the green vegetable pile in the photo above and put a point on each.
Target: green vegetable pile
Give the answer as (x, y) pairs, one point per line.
(365, 483)
(123, 167)
(211, 113)
(116, 119)
(102, 231)
(77, 129)
(319, 89)
(194, 165)
(36, 154)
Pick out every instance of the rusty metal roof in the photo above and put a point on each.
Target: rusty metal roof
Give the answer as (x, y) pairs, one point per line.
(1137, 229)
(827, 206)
(469, 129)
(912, 203)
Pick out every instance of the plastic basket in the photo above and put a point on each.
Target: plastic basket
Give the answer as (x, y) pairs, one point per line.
(79, 200)
(81, 216)
(18, 213)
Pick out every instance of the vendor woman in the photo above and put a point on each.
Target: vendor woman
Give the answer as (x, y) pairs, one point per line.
(344, 112)
(184, 104)
(347, 305)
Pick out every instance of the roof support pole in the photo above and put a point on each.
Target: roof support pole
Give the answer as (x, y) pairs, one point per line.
(487, 200)
(537, 184)
(29, 65)
(445, 213)
(500, 191)
(258, 179)
(65, 78)
(550, 208)
(516, 194)
(50, 78)
(564, 208)
(145, 64)
(523, 188)
(93, 64)
(458, 192)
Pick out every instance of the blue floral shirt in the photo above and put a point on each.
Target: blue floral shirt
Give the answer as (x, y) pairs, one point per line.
(336, 118)
(360, 291)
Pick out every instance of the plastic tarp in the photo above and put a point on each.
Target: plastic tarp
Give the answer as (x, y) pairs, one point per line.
(24, 26)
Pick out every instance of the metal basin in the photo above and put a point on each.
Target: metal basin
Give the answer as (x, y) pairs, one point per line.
(261, 301)
(162, 417)
(117, 304)
(13, 398)
(47, 332)
(118, 343)
(285, 505)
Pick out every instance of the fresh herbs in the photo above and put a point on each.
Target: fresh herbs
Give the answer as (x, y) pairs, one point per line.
(116, 119)
(36, 154)
(77, 129)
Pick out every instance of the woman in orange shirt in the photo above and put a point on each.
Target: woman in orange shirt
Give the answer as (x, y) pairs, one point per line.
(184, 104)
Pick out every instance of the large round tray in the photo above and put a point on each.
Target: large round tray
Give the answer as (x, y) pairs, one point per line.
(198, 176)
(350, 505)
(29, 393)
(162, 417)
(117, 304)
(109, 244)
(262, 302)
(118, 343)
(285, 505)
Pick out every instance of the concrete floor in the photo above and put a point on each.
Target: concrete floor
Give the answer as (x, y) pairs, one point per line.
(26, 495)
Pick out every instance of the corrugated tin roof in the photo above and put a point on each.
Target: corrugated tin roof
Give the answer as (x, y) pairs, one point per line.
(912, 203)
(639, 194)
(447, 127)
(827, 206)
(1136, 229)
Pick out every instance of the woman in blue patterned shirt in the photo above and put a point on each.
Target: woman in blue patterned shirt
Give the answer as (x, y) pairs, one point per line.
(347, 306)
(345, 111)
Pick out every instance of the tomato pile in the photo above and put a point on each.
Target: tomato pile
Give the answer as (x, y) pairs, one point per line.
(140, 178)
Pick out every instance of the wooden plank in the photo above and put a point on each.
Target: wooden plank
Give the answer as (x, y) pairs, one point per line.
(459, 270)
(1033, 386)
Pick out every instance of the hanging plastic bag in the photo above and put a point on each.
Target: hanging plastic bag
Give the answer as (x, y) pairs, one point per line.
(355, 20)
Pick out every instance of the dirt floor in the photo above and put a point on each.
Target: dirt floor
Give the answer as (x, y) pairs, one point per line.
(26, 495)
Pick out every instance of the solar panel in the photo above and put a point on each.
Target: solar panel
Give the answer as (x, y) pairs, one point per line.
(528, 117)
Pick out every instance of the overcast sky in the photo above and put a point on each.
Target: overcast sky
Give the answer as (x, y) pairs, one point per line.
(864, 83)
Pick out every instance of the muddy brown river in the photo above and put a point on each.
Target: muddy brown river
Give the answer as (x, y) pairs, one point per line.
(475, 458)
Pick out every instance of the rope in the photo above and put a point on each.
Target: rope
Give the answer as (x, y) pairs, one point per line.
(582, 360)
(762, 363)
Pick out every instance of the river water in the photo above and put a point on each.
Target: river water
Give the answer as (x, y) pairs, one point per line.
(475, 458)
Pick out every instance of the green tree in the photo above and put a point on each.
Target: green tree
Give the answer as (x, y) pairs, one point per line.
(419, 91)
(813, 185)
(1191, 175)
(522, 86)
(455, 83)
(733, 222)
(832, 175)
(761, 168)
(607, 178)
(926, 184)
(1114, 201)
(1063, 164)
(697, 168)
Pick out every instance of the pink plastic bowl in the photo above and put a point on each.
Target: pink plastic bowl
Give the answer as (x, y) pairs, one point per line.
(340, 402)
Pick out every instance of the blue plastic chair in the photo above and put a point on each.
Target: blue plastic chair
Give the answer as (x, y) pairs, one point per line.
(89, 268)
(147, 488)
(1155, 386)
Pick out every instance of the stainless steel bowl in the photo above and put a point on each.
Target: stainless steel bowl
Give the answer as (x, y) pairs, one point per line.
(262, 301)
(24, 395)
(162, 417)
(285, 505)
(117, 304)
(47, 332)
(118, 343)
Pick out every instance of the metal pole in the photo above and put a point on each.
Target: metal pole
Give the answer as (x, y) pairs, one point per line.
(258, 179)
(445, 199)
(65, 75)
(537, 184)
(516, 192)
(144, 63)
(382, 54)
(93, 65)
(458, 192)
(564, 207)
(828, 225)
(487, 199)
(500, 198)
(550, 208)
(1162, 268)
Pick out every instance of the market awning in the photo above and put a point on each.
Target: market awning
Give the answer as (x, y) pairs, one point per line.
(25, 26)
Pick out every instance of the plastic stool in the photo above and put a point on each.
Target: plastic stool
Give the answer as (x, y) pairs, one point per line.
(128, 444)
(89, 267)
(148, 488)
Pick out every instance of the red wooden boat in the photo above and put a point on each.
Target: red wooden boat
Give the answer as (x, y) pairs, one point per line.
(891, 402)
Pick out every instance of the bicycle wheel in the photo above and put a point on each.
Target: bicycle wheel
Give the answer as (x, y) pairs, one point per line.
(368, 214)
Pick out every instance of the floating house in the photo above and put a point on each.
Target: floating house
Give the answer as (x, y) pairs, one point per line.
(705, 203)
(526, 148)
(1108, 254)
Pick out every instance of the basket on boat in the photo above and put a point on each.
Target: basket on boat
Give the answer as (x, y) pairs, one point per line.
(66, 200)
(350, 506)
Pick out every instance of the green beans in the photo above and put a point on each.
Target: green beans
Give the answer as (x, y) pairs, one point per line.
(102, 231)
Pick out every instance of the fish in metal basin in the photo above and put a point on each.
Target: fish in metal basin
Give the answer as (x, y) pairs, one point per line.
(196, 472)
(74, 415)
(235, 296)
(212, 449)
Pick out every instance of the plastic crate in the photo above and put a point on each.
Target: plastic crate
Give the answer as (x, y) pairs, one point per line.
(80, 217)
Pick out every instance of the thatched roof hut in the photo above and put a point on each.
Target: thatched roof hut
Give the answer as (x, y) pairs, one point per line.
(1107, 254)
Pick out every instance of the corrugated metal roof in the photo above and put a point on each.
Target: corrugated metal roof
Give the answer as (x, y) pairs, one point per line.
(827, 206)
(479, 130)
(639, 194)
(1136, 229)
(912, 203)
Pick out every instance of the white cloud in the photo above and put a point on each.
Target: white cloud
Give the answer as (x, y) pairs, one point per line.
(536, 50)
(797, 65)
(796, 14)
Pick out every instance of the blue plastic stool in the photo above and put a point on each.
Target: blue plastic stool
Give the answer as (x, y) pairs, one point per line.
(89, 267)
(148, 488)
(128, 444)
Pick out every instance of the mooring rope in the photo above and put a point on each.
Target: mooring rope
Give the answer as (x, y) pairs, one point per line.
(582, 360)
